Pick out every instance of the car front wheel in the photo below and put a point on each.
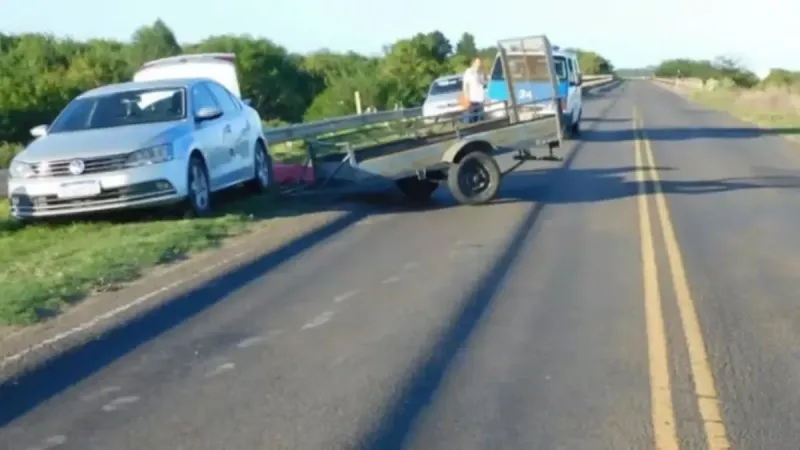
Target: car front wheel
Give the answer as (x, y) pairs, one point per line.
(198, 198)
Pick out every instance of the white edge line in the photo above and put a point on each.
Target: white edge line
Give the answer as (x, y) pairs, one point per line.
(114, 312)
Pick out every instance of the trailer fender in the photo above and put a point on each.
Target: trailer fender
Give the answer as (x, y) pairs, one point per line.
(462, 148)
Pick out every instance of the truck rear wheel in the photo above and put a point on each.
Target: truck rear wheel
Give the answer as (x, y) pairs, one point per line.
(417, 190)
(475, 179)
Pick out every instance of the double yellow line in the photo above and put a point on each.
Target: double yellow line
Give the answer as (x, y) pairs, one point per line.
(663, 413)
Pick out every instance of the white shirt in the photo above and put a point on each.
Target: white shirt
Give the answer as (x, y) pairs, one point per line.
(474, 82)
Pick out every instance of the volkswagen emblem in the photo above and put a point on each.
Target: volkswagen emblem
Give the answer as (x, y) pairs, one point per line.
(76, 167)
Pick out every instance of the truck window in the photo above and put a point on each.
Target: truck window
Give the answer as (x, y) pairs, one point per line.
(497, 69)
(532, 67)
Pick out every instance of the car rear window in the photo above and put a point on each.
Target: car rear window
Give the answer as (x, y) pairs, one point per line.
(444, 86)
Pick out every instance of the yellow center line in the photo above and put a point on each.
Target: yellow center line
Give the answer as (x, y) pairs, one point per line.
(705, 389)
(663, 415)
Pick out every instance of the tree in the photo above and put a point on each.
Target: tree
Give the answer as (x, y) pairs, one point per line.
(410, 68)
(153, 42)
(40, 73)
(466, 47)
(722, 67)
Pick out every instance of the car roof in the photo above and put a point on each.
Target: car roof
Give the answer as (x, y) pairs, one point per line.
(136, 85)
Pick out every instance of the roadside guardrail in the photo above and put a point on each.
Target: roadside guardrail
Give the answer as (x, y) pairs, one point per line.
(694, 83)
(298, 132)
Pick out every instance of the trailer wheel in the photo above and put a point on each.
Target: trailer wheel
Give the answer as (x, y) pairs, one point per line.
(417, 190)
(475, 179)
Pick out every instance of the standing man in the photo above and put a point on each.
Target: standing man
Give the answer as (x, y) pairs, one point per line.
(474, 85)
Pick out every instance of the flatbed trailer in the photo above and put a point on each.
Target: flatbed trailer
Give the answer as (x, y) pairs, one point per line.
(458, 154)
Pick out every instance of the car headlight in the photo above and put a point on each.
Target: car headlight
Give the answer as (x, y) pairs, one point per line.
(20, 169)
(150, 155)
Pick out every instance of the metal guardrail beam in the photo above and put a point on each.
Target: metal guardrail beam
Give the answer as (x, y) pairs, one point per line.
(300, 131)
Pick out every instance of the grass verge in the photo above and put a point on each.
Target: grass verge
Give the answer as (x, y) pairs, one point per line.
(770, 108)
(45, 268)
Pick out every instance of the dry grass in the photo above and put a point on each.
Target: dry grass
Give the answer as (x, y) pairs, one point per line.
(771, 107)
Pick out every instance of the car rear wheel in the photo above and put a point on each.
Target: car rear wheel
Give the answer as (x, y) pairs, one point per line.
(263, 173)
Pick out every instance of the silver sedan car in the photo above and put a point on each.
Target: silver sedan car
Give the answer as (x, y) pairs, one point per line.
(140, 144)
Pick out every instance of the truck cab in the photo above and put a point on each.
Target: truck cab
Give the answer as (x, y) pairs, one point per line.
(569, 80)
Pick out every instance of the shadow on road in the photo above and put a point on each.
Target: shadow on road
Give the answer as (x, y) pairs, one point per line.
(24, 393)
(393, 429)
(682, 134)
(561, 185)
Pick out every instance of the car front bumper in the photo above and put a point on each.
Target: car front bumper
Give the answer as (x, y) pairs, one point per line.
(137, 187)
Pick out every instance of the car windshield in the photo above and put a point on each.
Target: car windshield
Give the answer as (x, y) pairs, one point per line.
(445, 86)
(122, 108)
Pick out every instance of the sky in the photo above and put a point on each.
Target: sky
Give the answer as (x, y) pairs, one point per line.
(630, 33)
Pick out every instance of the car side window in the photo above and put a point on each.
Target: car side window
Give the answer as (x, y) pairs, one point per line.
(571, 69)
(222, 97)
(577, 68)
(202, 98)
(235, 100)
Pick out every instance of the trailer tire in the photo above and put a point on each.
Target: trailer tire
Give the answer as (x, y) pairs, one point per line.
(417, 190)
(474, 179)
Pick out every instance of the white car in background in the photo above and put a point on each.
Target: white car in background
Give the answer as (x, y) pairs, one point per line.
(442, 98)
(174, 135)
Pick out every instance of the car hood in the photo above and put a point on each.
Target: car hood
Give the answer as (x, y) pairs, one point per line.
(449, 99)
(100, 142)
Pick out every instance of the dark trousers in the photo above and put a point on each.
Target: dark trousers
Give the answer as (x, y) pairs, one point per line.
(474, 112)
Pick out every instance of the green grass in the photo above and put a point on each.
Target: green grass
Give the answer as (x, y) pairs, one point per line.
(7, 152)
(45, 268)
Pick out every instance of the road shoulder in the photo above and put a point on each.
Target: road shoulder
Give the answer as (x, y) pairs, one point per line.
(22, 348)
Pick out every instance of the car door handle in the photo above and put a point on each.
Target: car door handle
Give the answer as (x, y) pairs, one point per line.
(226, 129)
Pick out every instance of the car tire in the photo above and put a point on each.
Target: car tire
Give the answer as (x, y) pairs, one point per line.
(475, 179)
(263, 175)
(198, 189)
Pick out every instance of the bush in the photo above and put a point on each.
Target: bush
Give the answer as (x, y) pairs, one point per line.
(7, 153)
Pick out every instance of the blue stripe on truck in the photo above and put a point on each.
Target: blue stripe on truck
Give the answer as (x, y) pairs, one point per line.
(524, 90)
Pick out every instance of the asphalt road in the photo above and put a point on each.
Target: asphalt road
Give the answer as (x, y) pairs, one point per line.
(575, 313)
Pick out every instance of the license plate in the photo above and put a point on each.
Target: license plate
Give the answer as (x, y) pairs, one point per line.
(79, 189)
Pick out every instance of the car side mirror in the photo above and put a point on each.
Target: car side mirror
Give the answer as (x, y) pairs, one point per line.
(578, 80)
(39, 131)
(207, 113)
